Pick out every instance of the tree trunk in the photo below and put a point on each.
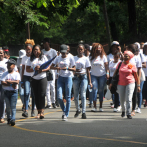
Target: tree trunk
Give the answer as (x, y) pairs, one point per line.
(107, 23)
(28, 30)
(132, 17)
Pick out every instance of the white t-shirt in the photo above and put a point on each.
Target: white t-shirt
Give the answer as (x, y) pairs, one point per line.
(12, 77)
(3, 68)
(65, 62)
(145, 69)
(39, 62)
(82, 63)
(142, 57)
(137, 61)
(50, 54)
(19, 65)
(112, 67)
(98, 66)
(110, 57)
(25, 59)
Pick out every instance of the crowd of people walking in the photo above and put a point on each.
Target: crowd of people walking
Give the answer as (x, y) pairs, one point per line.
(65, 76)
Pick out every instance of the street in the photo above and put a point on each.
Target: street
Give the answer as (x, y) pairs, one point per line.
(103, 129)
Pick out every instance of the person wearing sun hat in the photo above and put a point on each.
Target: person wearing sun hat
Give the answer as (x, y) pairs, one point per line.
(126, 84)
(115, 47)
(66, 64)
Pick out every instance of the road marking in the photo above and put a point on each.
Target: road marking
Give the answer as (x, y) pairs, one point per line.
(58, 134)
(96, 138)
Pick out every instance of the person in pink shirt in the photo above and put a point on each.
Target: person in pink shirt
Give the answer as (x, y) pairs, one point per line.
(126, 84)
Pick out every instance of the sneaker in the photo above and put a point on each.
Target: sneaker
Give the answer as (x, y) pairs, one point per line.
(138, 110)
(115, 110)
(118, 108)
(48, 107)
(83, 116)
(123, 114)
(25, 114)
(12, 122)
(112, 106)
(101, 110)
(94, 110)
(32, 114)
(129, 116)
(77, 113)
(54, 105)
(64, 118)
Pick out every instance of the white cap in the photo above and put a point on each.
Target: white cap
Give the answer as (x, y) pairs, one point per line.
(22, 53)
(115, 43)
(137, 44)
(90, 48)
(145, 43)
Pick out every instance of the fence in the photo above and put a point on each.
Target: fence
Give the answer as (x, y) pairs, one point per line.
(14, 49)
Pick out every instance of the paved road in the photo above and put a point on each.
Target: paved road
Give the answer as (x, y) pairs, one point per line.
(102, 129)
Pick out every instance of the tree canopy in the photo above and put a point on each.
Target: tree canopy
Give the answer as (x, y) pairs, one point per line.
(69, 21)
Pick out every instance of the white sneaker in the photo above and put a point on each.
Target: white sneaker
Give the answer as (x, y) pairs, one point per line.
(94, 110)
(64, 118)
(118, 108)
(101, 110)
(115, 110)
(138, 110)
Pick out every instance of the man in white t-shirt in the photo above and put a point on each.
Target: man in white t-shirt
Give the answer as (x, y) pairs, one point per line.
(50, 53)
(10, 80)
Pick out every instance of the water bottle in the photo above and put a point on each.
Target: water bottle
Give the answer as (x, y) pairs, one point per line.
(89, 88)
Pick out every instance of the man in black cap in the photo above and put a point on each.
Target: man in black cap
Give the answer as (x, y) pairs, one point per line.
(10, 80)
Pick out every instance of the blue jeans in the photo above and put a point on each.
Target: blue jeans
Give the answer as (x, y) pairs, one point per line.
(2, 103)
(98, 86)
(11, 100)
(21, 93)
(139, 94)
(27, 90)
(80, 85)
(64, 83)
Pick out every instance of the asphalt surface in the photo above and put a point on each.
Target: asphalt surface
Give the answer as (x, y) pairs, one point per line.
(102, 129)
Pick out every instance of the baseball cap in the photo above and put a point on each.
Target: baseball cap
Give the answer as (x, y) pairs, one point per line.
(5, 48)
(12, 61)
(115, 43)
(63, 48)
(22, 53)
(137, 44)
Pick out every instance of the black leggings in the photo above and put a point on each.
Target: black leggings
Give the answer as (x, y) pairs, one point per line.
(39, 90)
(134, 98)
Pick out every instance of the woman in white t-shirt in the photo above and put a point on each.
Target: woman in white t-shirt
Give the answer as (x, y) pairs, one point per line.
(80, 80)
(3, 68)
(65, 64)
(112, 67)
(115, 47)
(99, 67)
(25, 80)
(39, 81)
(144, 92)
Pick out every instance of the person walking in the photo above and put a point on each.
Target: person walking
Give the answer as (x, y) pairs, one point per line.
(3, 68)
(10, 80)
(126, 84)
(65, 64)
(25, 79)
(80, 80)
(50, 90)
(99, 68)
(112, 67)
(39, 81)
